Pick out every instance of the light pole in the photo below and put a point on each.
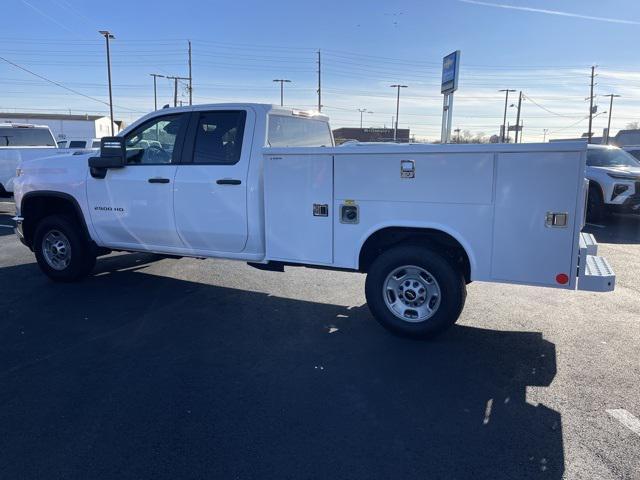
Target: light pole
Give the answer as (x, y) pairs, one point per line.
(504, 119)
(363, 110)
(395, 128)
(457, 130)
(282, 82)
(155, 96)
(108, 36)
(544, 134)
(611, 95)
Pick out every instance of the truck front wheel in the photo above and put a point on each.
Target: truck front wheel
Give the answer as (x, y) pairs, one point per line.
(414, 291)
(61, 250)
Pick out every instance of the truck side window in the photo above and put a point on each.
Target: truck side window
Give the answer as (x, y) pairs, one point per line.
(219, 137)
(153, 142)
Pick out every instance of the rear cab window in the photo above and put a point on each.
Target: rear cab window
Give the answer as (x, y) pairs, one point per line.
(26, 137)
(291, 131)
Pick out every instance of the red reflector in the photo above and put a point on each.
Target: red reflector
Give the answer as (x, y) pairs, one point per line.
(562, 278)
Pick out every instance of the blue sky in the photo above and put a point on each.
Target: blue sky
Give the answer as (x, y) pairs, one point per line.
(544, 48)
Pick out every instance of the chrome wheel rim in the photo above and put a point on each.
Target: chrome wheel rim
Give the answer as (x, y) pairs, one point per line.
(56, 250)
(411, 293)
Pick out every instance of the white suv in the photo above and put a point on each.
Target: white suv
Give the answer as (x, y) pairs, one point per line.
(614, 181)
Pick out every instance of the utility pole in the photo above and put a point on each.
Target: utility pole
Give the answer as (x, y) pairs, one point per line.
(320, 83)
(544, 134)
(155, 92)
(611, 95)
(395, 129)
(108, 36)
(504, 119)
(593, 74)
(190, 77)
(282, 82)
(518, 115)
(175, 88)
(457, 130)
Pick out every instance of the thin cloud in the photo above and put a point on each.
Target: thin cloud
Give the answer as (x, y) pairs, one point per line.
(551, 12)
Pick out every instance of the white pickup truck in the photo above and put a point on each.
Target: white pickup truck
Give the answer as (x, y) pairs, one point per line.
(19, 142)
(266, 185)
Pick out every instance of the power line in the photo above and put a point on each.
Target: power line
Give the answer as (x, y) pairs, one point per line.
(58, 84)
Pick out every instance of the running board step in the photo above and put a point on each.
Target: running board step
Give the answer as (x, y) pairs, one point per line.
(597, 275)
(588, 243)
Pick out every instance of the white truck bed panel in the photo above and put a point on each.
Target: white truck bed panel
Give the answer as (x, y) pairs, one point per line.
(493, 200)
(293, 185)
(437, 177)
(528, 187)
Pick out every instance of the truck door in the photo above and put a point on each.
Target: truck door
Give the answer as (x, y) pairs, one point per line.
(211, 188)
(133, 206)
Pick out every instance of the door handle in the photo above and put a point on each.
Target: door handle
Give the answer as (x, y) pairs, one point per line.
(158, 180)
(228, 181)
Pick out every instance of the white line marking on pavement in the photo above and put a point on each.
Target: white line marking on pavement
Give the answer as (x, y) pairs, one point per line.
(626, 419)
(487, 411)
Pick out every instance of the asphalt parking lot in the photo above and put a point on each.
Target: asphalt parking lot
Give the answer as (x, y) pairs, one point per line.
(159, 368)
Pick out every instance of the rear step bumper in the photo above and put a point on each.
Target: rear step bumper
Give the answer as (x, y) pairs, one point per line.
(594, 272)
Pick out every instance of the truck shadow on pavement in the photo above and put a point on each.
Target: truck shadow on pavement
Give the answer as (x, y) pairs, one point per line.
(133, 375)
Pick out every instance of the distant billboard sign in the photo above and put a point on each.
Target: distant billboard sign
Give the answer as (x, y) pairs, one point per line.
(450, 68)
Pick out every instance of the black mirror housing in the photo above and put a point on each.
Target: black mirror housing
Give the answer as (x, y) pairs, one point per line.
(113, 154)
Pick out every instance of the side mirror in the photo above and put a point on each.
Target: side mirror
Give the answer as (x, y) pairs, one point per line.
(113, 154)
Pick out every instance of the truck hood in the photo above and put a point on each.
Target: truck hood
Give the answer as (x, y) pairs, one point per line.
(68, 159)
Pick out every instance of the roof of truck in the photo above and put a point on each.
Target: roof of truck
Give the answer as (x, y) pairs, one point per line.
(267, 107)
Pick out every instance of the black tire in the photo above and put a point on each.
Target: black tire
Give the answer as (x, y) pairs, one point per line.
(449, 280)
(595, 205)
(82, 258)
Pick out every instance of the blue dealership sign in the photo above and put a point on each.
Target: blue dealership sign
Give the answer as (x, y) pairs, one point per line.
(450, 67)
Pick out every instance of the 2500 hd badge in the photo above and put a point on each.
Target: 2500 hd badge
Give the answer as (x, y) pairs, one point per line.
(109, 209)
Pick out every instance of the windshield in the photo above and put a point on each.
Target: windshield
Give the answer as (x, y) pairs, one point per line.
(610, 157)
(26, 137)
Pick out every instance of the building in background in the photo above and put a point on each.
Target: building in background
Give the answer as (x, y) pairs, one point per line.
(342, 135)
(65, 127)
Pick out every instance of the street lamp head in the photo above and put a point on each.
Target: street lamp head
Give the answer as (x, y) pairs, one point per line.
(106, 34)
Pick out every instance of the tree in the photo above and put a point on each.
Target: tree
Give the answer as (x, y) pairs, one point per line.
(633, 126)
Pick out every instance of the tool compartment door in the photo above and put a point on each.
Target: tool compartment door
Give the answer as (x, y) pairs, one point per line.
(529, 187)
(298, 193)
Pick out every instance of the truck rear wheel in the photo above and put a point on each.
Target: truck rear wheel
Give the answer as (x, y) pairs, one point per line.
(414, 291)
(61, 250)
